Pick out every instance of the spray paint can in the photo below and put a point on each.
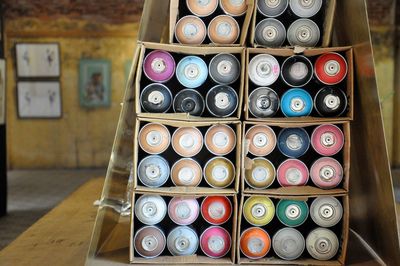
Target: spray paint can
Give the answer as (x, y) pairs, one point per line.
(327, 140)
(292, 172)
(182, 241)
(263, 102)
(330, 68)
(255, 243)
(216, 210)
(326, 173)
(191, 71)
(219, 172)
(189, 101)
(297, 71)
(149, 242)
(261, 175)
(215, 242)
(153, 171)
(330, 102)
(262, 140)
(190, 30)
(322, 244)
(186, 172)
(263, 70)
(292, 213)
(202, 8)
(293, 142)
(150, 209)
(233, 8)
(258, 210)
(272, 8)
(183, 211)
(224, 68)
(220, 139)
(288, 243)
(296, 102)
(187, 141)
(154, 138)
(156, 98)
(304, 33)
(270, 32)
(222, 101)
(305, 8)
(223, 29)
(326, 211)
(159, 66)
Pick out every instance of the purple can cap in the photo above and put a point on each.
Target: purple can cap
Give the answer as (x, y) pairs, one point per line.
(159, 66)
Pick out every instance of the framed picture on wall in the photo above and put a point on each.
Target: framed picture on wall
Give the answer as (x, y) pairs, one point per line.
(2, 91)
(38, 60)
(95, 83)
(39, 99)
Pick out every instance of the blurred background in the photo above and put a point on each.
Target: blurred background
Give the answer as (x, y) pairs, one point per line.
(49, 158)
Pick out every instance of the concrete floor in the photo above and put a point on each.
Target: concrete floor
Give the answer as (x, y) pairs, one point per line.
(31, 194)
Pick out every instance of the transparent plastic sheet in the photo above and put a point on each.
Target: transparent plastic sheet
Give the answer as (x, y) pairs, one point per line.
(373, 237)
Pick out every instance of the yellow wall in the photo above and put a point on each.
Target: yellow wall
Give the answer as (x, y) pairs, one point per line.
(82, 137)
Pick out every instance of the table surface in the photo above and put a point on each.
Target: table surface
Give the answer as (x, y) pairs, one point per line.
(62, 237)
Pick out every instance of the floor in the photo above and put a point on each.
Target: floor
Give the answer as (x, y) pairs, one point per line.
(33, 193)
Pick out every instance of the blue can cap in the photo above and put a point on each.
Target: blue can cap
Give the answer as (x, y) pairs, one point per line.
(192, 72)
(296, 102)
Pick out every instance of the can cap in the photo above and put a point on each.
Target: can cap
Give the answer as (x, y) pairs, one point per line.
(158, 65)
(152, 171)
(224, 67)
(260, 174)
(156, 97)
(150, 243)
(216, 210)
(222, 100)
(216, 244)
(293, 211)
(297, 104)
(258, 211)
(255, 245)
(327, 173)
(186, 175)
(220, 173)
(154, 138)
(220, 139)
(332, 101)
(182, 210)
(332, 68)
(293, 176)
(294, 142)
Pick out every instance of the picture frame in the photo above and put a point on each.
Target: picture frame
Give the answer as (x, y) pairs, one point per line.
(39, 99)
(3, 84)
(38, 60)
(95, 83)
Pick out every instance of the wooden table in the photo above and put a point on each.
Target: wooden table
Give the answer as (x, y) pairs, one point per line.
(62, 236)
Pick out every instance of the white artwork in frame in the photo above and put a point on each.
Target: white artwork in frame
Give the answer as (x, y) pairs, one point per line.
(38, 60)
(39, 99)
(2, 91)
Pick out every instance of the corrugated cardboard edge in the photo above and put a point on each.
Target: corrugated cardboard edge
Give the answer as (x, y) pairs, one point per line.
(348, 50)
(185, 190)
(343, 239)
(189, 51)
(192, 260)
(330, 10)
(173, 18)
(304, 190)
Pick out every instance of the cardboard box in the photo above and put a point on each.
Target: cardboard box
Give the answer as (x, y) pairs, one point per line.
(244, 22)
(312, 87)
(180, 51)
(341, 230)
(203, 156)
(167, 225)
(326, 16)
(343, 157)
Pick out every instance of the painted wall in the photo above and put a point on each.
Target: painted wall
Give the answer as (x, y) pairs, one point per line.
(82, 137)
